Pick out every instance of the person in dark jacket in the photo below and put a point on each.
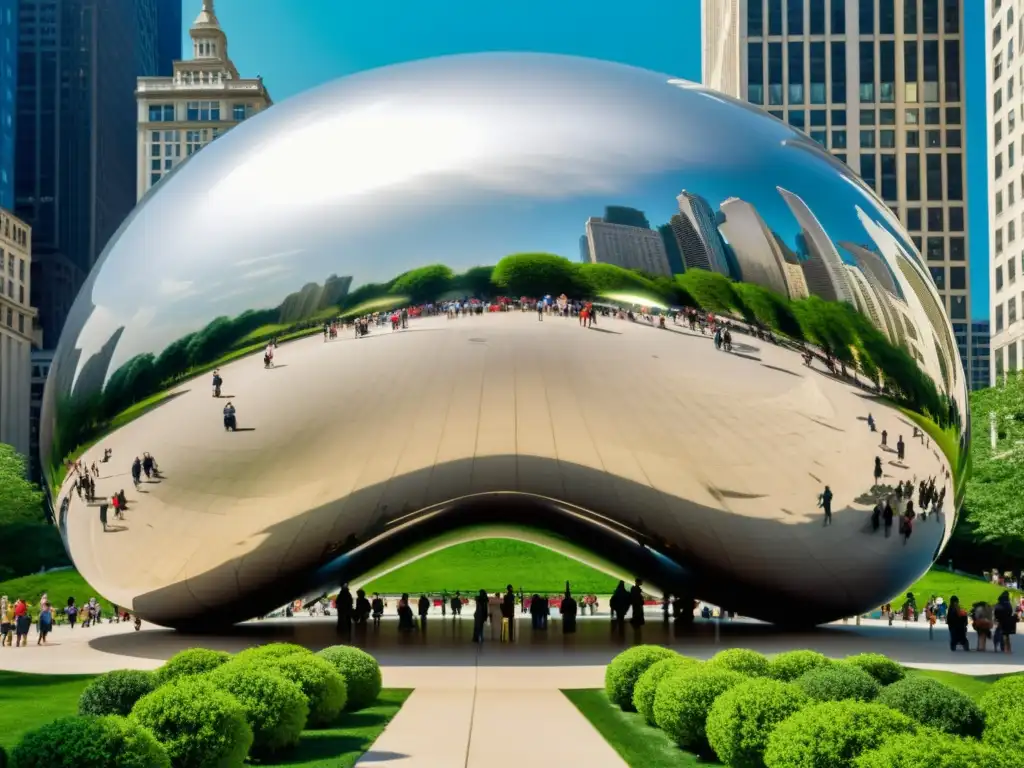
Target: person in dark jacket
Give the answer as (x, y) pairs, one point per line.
(568, 611)
(537, 606)
(424, 606)
(508, 611)
(1006, 622)
(405, 618)
(344, 604)
(377, 606)
(619, 604)
(956, 621)
(480, 616)
(457, 605)
(636, 603)
(363, 607)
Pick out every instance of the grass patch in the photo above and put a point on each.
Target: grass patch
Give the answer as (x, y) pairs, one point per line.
(974, 687)
(58, 586)
(491, 564)
(637, 743)
(945, 584)
(29, 701)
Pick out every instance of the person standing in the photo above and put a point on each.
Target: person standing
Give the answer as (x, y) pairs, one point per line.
(480, 616)
(508, 611)
(825, 502)
(344, 603)
(901, 449)
(619, 604)
(956, 621)
(568, 610)
(457, 605)
(636, 603)
(424, 607)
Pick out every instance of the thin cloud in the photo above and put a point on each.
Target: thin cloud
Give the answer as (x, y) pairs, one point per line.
(271, 257)
(171, 287)
(256, 274)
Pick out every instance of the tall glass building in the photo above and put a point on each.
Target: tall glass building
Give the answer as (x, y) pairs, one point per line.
(76, 134)
(879, 83)
(8, 90)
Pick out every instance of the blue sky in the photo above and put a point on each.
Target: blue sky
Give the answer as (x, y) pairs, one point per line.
(297, 45)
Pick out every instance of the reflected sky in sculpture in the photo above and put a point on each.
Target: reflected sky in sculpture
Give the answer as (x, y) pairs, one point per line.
(462, 161)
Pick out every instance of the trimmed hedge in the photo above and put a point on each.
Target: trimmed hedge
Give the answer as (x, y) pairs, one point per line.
(742, 660)
(882, 668)
(934, 704)
(1005, 733)
(275, 707)
(361, 672)
(272, 651)
(197, 723)
(647, 686)
(790, 665)
(683, 699)
(621, 675)
(1003, 696)
(742, 718)
(928, 749)
(323, 686)
(190, 662)
(90, 742)
(116, 692)
(833, 734)
(838, 682)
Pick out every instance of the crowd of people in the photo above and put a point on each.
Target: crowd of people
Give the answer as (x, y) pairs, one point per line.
(18, 616)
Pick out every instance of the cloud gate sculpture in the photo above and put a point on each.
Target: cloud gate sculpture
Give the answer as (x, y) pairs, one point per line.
(491, 184)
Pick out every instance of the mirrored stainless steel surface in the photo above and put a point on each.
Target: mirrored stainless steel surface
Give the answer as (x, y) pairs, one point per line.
(699, 467)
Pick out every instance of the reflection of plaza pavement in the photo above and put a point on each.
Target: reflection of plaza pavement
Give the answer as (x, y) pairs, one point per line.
(725, 454)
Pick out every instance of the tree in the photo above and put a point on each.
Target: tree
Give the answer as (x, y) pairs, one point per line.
(769, 309)
(608, 278)
(476, 282)
(211, 342)
(538, 274)
(712, 291)
(20, 500)
(424, 284)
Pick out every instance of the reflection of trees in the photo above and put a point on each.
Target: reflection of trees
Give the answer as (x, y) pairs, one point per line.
(836, 327)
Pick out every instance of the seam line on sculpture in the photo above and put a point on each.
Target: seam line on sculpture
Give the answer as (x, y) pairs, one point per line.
(472, 706)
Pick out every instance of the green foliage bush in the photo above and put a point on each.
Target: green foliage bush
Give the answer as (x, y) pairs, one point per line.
(1003, 696)
(197, 723)
(275, 707)
(837, 682)
(833, 734)
(883, 669)
(743, 717)
(90, 742)
(1005, 733)
(361, 672)
(742, 660)
(934, 704)
(192, 661)
(115, 693)
(621, 675)
(271, 651)
(790, 665)
(647, 685)
(929, 749)
(684, 698)
(538, 274)
(323, 686)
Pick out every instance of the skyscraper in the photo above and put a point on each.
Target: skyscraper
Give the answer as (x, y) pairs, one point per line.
(76, 135)
(824, 266)
(1006, 187)
(8, 90)
(626, 246)
(696, 231)
(879, 84)
(982, 363)
(757, 252)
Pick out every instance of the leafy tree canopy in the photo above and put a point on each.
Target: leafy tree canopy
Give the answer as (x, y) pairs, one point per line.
(20, 500)
(424, 284)
(538, 274)
(712, 291)
(476, 282)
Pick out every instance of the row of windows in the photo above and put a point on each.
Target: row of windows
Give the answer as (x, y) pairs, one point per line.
(957, 278)
(12, 231)
(197, 111)
(10, 265)
(15, 294)
(790, 18)
(1010, 316)
(797, 72)
(11, 315)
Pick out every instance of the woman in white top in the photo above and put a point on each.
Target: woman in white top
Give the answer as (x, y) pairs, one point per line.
(494, 608)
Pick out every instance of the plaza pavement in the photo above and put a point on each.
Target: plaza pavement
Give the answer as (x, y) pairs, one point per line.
(488, 707)
(724, 453)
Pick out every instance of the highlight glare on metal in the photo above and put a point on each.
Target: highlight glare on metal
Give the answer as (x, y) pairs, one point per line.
(700, 469)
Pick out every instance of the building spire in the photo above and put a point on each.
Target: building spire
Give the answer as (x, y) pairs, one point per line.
(206, 19)
(209, 42)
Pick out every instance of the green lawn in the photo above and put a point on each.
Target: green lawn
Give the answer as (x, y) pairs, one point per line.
(946, 584)
(28, 701)
(58, 586)
(642, 746)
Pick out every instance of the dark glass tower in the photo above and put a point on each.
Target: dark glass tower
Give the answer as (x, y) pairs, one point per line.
(76, 135)
(8, 90)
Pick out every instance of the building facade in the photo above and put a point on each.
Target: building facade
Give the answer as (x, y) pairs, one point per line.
(8, 90)
(75, 159)
(879, 83)
(16, 323)
(625, 245)
(1004, 41)
(981, 365)
(40, 361)
(201, 99)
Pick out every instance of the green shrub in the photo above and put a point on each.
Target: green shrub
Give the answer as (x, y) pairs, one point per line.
(192, 661)
(361, 672)
(790, 665)
(742, 660)
(882, 668)
(1004, 695)
(90, 742)
(115, 693)
(931, 703)
(198, 724)
(928, 749)
(837, 682)
(272, 651)
(275, 707)
(743, 717)
(647, 686)
(322, 685)
(833, 734)
(621, 674)
(3, 758)
(1005, 733)
(683, 699)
